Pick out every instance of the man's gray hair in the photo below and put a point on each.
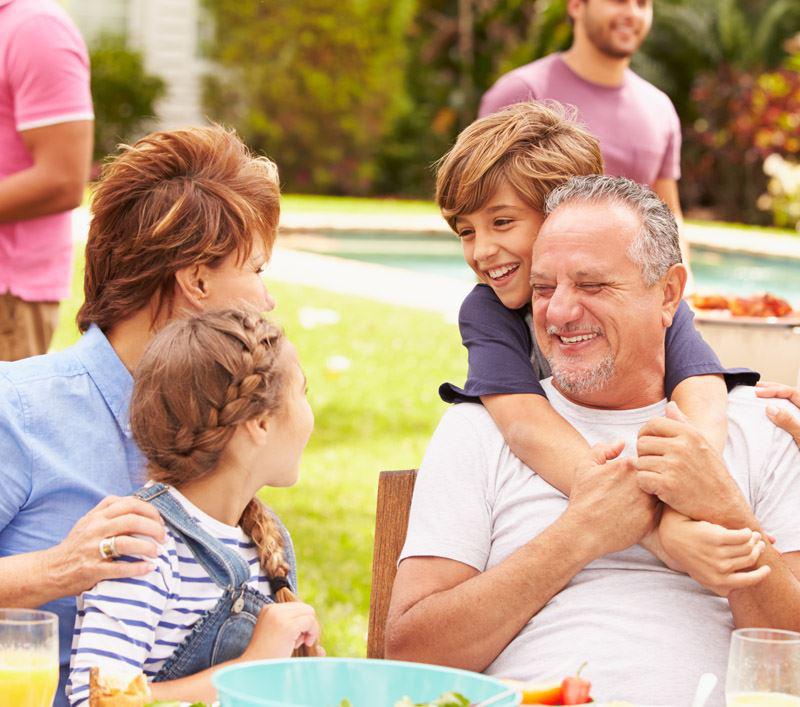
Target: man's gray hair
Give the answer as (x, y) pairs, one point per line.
(656, 247)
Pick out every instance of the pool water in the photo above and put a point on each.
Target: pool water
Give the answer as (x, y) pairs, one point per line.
(714, 271)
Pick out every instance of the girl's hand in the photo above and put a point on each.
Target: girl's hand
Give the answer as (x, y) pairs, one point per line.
(718, 558)
(280, 629)
(782, 418)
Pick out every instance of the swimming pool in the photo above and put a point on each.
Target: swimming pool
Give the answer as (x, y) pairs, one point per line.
(715, 271)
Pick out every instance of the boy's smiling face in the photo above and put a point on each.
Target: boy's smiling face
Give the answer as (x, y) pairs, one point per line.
(497, 240)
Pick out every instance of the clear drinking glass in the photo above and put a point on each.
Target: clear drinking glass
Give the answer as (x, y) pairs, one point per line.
(763, 668)
(28, 657)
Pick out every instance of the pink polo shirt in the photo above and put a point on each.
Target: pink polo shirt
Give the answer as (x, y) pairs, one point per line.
(44, 80)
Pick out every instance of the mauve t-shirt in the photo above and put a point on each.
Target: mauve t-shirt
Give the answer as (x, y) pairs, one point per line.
(636, 123)
(504, 359)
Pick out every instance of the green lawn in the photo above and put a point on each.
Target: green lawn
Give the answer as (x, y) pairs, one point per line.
(376, 415)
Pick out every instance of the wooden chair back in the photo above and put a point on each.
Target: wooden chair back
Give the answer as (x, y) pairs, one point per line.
(391, 522)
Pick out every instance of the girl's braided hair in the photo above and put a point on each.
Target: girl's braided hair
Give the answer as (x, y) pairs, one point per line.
(199, 378)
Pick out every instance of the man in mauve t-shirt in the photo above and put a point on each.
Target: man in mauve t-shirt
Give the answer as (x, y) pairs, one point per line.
(46, 125)
(636, 123)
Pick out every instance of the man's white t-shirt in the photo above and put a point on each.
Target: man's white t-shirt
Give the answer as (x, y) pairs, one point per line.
(647, 632)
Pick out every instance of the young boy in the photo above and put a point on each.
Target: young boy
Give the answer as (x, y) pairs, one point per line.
(491, 187)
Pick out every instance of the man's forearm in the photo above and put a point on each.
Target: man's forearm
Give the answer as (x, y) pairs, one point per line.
(28, 580)
(468, 625)
(774, 602)
(38, 191)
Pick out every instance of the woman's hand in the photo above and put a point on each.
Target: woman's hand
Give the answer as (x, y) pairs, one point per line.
(280, 629)
(76, 563)
(716, 557)
(782, 418)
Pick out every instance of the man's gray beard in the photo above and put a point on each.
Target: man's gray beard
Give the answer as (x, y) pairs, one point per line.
(586, 380)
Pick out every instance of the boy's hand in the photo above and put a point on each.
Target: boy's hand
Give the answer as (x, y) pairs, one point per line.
(678, 465)
(718, 558)
(782, 418)
(280, 629)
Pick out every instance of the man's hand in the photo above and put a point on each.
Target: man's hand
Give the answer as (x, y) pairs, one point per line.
(607, 500)
(76, 565)
(677, 464)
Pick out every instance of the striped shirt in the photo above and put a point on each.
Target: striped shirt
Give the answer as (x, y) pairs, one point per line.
(125, 626)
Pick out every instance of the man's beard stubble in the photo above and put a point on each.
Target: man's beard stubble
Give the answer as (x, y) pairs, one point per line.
(595, 34)
(582, 380)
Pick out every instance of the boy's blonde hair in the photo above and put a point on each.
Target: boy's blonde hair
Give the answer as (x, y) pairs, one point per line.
(534, 146)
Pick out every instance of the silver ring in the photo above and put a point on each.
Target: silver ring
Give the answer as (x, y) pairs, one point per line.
(108, 548)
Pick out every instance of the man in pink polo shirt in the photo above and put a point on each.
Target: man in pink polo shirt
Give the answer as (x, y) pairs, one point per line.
(46, 123)
(636, 123)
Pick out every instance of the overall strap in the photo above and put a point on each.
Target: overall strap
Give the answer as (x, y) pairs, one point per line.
(225, 566)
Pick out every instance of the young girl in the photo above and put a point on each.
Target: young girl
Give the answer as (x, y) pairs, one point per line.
(491, 187)
(219, 410)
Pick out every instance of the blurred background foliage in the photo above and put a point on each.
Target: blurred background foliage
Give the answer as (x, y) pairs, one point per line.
(361, 97)
(123, 93)
(317, 85)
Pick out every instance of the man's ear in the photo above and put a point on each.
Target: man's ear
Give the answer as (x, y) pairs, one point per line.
(673, 284)
(574, 8)
(192, 285)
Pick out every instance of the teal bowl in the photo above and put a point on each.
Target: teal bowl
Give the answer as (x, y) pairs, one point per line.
(325, 682)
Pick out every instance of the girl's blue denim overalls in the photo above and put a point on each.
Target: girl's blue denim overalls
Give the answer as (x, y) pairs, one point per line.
(225, 631)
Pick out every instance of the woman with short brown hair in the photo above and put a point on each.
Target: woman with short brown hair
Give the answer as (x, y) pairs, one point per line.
(183, 221)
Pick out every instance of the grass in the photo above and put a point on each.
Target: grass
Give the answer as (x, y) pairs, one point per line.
(378, 414)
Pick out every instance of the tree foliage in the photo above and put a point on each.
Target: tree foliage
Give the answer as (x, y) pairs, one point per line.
(314, 84)
(123, 93)
(691, 38)
(448, 72)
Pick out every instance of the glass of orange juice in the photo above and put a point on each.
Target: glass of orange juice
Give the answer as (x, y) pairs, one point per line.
(763, 668)
(28, 657)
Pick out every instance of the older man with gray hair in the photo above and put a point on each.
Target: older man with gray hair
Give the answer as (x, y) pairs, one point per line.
(502, 573)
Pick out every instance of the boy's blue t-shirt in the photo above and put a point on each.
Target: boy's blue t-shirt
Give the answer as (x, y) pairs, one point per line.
(503, 357)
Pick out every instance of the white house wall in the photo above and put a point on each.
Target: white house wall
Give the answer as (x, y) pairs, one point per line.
(166, 32)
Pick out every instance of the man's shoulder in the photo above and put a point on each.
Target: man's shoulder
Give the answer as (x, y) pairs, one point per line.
(535, 71)
(747, 416)
(648, 92)
(469, 425)
(21, 12)
(468, 414)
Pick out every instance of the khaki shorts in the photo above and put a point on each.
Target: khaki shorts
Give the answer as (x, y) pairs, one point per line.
(25, 327)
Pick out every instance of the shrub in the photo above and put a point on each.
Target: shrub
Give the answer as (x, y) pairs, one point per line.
(743, 118)
(782, 198)
(124, 94)
(314, 84)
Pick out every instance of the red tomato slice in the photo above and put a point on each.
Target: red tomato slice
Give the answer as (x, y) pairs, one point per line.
(575, 691)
